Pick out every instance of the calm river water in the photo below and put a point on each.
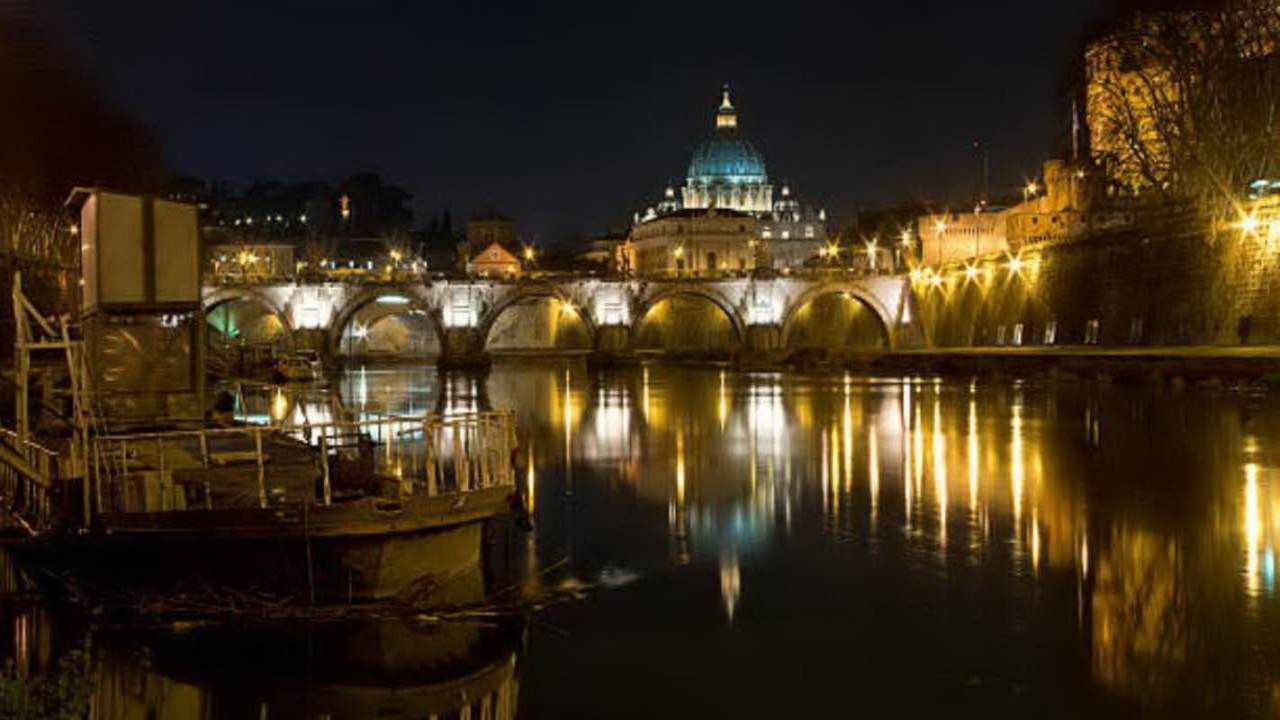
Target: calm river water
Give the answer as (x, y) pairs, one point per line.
(778, 544)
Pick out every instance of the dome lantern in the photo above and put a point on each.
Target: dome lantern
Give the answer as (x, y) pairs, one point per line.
(726, 116)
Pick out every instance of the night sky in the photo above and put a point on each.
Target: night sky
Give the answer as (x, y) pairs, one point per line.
(571, 116)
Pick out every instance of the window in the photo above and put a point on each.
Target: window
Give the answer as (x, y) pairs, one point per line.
(1017, 334)
(786, 234)
(711, 261)
(680, 264)
(1000, 335)
(808, 231)
(767, 234)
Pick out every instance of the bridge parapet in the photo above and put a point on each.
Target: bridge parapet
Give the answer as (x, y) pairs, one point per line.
(761, 309)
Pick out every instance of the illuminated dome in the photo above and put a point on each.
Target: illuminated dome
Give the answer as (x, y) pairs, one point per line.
(727, 171)
(727, 157)
(727, 160)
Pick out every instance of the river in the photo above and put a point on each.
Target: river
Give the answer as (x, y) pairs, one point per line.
(774, 544)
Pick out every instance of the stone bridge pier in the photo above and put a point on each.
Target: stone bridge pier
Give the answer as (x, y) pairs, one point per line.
(457, 322)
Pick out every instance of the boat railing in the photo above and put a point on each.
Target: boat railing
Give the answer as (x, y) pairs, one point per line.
(28, 473)
(432, 453)
(263, 466)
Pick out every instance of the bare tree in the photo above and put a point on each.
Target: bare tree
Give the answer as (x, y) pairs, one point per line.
(1187, 104)
(32, 232)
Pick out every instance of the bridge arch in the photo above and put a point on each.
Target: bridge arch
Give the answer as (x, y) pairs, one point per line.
(537, 294)
(856, 292)
(373, 307)
(639, 328)
(223, 298)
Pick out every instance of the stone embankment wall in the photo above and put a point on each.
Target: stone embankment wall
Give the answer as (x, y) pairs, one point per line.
(1173, 284)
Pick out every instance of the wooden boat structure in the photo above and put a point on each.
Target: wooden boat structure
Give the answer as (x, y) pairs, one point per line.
(358, 507)
(96, 475)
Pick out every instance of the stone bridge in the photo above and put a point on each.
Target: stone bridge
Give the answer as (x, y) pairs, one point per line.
(462, 320)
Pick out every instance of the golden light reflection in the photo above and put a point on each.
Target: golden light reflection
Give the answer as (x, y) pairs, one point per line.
(836, 474)
(680, 479)
(279, 406)
(644, 390)
(873, 472)
(531, 479)
(847, 427)
(730, 581)
(1252, 528)
(940, 471)
(1017, 472)
(722, 405)
(826, 475)
(972, 455)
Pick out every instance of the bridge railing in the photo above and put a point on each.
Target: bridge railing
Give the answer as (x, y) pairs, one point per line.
(375, 278)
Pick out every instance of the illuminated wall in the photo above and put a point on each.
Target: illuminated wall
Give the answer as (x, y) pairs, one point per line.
(1170, 286)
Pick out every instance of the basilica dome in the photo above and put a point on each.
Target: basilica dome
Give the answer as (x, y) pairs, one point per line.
(727, 158)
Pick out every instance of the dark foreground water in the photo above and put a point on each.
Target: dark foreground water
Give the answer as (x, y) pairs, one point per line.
(781, 545)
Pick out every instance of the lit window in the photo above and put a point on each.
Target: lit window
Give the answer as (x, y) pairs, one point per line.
(766, 234)
(808, 231)
(786, 234)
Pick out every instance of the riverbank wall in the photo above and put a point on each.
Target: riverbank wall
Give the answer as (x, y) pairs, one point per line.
(1169, 283)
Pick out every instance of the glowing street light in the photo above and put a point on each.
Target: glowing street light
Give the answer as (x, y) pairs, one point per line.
(528, 253)
(906, 238)
(1249, 224)
(940, 226)
(1015, 264)
(971, 272)
(395, 256)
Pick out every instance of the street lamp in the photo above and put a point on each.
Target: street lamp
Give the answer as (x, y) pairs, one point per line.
(1249, 224)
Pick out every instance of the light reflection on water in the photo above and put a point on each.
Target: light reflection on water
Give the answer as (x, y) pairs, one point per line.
(1174, 497)
(1005, 547)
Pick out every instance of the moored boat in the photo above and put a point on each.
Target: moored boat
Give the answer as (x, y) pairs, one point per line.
(111, 469)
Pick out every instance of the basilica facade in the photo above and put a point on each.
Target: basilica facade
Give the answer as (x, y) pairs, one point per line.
(726, 187)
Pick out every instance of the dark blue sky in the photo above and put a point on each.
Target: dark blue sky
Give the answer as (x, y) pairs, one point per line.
(568, 116)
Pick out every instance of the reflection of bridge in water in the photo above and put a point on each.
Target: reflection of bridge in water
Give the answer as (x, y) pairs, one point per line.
(469, 319)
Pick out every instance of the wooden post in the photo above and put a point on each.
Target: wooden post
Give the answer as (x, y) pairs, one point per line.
(204, 459)
(262, 470)
(324, 464)
(98, 485)
(429, 455)
(165, 498)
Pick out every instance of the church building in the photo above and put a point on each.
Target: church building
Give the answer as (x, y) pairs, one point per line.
(725, 217)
